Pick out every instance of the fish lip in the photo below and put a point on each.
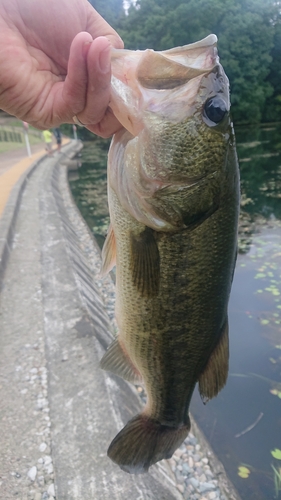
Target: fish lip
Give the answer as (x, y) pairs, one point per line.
(133, 89)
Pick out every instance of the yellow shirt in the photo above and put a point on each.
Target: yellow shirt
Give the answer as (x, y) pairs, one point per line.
(48, 136)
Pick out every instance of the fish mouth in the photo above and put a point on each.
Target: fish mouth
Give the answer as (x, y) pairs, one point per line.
(172, 68)
(139, 77)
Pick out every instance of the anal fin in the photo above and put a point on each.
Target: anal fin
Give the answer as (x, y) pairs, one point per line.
(108, 253)
(214, 376)
(116, 361)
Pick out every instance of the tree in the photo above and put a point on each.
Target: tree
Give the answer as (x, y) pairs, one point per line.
(111, 10)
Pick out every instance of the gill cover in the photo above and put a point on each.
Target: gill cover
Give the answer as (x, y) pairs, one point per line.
(151, 91)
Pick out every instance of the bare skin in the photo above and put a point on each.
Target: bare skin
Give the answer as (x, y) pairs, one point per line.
(55, 63)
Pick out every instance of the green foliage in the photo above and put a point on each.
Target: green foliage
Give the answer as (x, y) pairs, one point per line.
(276, 453)
(249, 33)
(243, 472)
(110, 10)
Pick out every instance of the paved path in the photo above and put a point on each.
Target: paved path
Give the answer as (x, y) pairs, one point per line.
(13, 164)
(10, 158)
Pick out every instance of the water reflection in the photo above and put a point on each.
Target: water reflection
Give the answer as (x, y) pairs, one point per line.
(90, 188)
(259, 151)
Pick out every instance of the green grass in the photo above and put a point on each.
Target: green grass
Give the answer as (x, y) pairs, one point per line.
(10, 146)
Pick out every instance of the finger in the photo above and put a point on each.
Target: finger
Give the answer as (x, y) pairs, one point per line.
(99, 80)
(108, 126)
(74, 92)
(97, 26)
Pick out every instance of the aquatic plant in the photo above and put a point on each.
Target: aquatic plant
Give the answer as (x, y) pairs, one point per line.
(277, 480)
(243, 472)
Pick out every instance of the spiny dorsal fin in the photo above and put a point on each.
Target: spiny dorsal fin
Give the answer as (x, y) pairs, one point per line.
(214, 376)
(145, 263)
(108, 253)
(117, 361)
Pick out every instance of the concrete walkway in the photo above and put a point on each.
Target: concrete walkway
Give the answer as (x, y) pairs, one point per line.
(58, 410)
(13, 164)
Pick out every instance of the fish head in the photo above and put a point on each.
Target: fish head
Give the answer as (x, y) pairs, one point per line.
(177, 102)
(175, 107)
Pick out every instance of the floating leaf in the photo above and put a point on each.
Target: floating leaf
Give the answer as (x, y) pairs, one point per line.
(243, 472)
(276, 453)
(264, 321)
(260, 275)
(273, 361)
(274, 392)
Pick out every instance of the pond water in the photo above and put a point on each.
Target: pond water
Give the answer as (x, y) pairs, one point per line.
(243, 424)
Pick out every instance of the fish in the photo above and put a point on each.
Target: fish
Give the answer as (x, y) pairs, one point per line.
(173, 194)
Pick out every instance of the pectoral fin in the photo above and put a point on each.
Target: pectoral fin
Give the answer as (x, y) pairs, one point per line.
(145, 263)
(214, 376)
(116, 361)
(108, 253)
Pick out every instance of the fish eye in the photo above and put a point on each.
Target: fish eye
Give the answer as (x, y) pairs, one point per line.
(215, 109)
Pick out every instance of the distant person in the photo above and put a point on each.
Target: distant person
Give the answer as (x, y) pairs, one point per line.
(57, 134)
(48, 138)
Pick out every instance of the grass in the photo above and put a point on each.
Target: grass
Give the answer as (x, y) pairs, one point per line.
(11, 146)
(5, 147)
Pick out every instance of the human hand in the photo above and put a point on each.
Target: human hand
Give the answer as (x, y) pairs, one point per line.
(55, 63)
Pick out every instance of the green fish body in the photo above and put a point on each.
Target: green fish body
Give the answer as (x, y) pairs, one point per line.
(173, 190)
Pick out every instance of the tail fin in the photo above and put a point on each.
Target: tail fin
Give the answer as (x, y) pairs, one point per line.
(143, 442)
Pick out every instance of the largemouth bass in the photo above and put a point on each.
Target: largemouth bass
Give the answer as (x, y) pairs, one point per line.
(173, 190)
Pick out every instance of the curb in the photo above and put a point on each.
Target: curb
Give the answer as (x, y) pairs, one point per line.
(9, 216)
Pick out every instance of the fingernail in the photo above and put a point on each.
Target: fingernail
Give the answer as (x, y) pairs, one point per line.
(86, 47)
(104, 60)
